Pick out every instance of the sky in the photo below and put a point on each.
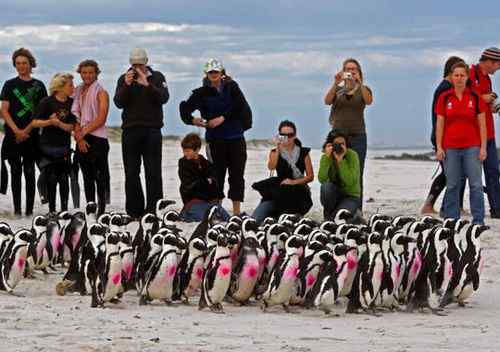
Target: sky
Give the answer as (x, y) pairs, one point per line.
(283, 54)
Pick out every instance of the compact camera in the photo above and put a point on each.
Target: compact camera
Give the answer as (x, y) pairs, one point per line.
(282, 139)
(347, 75)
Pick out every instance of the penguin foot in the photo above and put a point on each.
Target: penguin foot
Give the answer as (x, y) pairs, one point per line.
(263, 306)
(12, 293)
(115, 300)
(168, 303)
(286, 308)
(143, 301)
(64, 286)
(438, 311)
(462, 304)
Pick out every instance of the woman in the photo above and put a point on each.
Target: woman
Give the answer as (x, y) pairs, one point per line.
(349, 97)
(440, 181)
(19, 98)
(461, 143)
(339, 176)
(91, 106)
(288, 192)
(56, 121)
(226, 115)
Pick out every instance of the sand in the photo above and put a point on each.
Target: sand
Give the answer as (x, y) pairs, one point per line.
(43, 321)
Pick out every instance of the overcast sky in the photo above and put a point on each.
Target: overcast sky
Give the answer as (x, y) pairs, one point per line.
(282, 53)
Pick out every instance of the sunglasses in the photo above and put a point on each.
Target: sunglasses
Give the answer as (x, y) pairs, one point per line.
(212, 72)
(289, 135)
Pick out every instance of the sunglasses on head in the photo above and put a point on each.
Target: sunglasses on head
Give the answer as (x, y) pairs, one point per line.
(289, 135)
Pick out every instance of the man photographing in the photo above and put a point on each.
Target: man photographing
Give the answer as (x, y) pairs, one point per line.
(141, 93)
(339, 175)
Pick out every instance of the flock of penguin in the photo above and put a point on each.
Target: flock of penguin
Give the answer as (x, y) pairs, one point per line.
(389, 262)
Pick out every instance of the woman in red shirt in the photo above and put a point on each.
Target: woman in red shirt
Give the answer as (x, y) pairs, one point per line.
(461, 143)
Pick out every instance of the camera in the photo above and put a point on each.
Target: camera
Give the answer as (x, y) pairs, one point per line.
(136, 75)
(282, 139)
(347, 75)
(337, 148)
(495, 106)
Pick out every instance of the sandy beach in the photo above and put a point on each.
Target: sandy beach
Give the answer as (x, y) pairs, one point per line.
(43, 321)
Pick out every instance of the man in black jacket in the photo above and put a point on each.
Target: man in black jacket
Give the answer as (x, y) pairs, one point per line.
(141, 93)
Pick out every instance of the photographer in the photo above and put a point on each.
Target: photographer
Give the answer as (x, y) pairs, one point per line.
(288, 191)
(141, 93)
(348, 98)
(339, 176)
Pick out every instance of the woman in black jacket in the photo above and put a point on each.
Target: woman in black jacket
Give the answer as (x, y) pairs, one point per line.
(226, 115)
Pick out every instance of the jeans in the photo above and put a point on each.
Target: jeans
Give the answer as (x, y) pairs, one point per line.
(491, 175)
(460, 164)
(333, 199)
(264, 209)
(358, 144)
(142, 143)
(94, 166)
(197, 211)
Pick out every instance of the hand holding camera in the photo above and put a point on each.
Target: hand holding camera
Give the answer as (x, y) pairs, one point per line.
(336, 149)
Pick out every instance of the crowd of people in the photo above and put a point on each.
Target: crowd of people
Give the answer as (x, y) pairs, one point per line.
(39, 128)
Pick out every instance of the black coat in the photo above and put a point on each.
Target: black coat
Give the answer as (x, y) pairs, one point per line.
(195, 176)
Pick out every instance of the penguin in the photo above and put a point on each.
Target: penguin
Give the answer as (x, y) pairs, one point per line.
(343, 216)
(72, 235)
(38, 257)
(6, 236)
(127, 258)
(327, 288)
(160, 276)
(376, 217)
(425, 285)
(13, 263)
(162, 207)
(402, 222)
(368, 278)
(142, 239)
(356, 241)
(217, 277)
(466, 277)
(150, 257)
(284, 275)
(329, 227)
(190, 270)
(212, 216)
(90, 213)
(246, 270)
(53, 241)
(104, 220)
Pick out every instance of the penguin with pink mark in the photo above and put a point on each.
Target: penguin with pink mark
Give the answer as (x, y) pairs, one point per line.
(190, 270)
(13, 261)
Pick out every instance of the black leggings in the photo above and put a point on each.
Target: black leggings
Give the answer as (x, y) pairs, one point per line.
(439, 184)
(57, 173)
(95, 170)
(230, 156)
(19, 165)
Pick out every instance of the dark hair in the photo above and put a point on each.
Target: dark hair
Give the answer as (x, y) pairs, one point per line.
(225, 78)
(334, 134)
(88, 63)
(27, 54)
(353, 61)
(191, 141)
(452, 60)
(288, 123)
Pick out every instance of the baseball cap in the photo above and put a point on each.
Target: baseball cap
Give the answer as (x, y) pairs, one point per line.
(138, 56)
(213, 65)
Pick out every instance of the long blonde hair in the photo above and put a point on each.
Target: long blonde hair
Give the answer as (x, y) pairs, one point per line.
(59, 81)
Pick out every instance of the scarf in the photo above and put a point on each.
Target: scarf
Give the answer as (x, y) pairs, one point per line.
(291, 159)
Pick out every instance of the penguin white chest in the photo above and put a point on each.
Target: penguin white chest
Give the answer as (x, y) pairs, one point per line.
(18, 265)
(247, 279)
(114, 278)
(221, 281)
(162, 284)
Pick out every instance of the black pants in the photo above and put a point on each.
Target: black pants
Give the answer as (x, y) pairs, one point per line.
(95, 170)
(230, 156)
(21, 158)
(142, 143)
(57, 173)
(439, 184)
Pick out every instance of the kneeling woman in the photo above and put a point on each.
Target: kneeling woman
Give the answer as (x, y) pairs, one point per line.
(339, 175)
(56, 121)
(288, 192)
(461, 143)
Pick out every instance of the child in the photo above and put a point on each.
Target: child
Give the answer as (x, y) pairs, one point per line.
(198, 181)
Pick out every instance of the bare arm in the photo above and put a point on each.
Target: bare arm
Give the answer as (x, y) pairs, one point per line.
(102, 115)
(331, 94)
(273, 159)
(309, 173)
(483, 135)
(439, 137)
(367, 95)
(21, 135)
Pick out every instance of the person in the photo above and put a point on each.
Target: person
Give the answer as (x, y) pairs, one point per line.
(19, 98)
(461, 143)
(198, 181)
(141, 92)
(226, 115)
(91, 106)
(339, 175)
(479, 74)
(288, 192)
(349, 97)
(54, 117)
(439, 182)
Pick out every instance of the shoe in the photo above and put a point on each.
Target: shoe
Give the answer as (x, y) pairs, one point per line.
(495, 213)
(427, 209)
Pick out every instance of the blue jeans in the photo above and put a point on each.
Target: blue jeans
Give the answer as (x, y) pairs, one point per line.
(264, 209)
(491, 176)
(197, 211)
(358, 144)
(333, 199)
(460, 164)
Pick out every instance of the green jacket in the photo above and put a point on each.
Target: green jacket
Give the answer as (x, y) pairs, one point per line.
(345, 174)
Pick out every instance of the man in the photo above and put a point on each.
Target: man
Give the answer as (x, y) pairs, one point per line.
(479, 74)
(141, 93)
(91, 105)
(20, 96)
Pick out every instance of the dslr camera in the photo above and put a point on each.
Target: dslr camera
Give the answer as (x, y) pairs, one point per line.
(337, 148)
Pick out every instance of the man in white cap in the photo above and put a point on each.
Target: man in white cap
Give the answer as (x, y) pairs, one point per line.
(479, 76)
(141, 93)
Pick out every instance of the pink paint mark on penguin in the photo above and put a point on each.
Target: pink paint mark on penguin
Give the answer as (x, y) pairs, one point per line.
(116, 278)
(252, 271)
(310, 280)
(199, 273)
(20, 263)
(224, 270)
(127, 270)
(352, 262)
(398, 270)
(171, 270)
(75, 239)
(417, 263)
(291, 273)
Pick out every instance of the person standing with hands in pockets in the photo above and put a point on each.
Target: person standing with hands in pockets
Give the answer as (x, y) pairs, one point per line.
(348, 98)
(141, 92)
